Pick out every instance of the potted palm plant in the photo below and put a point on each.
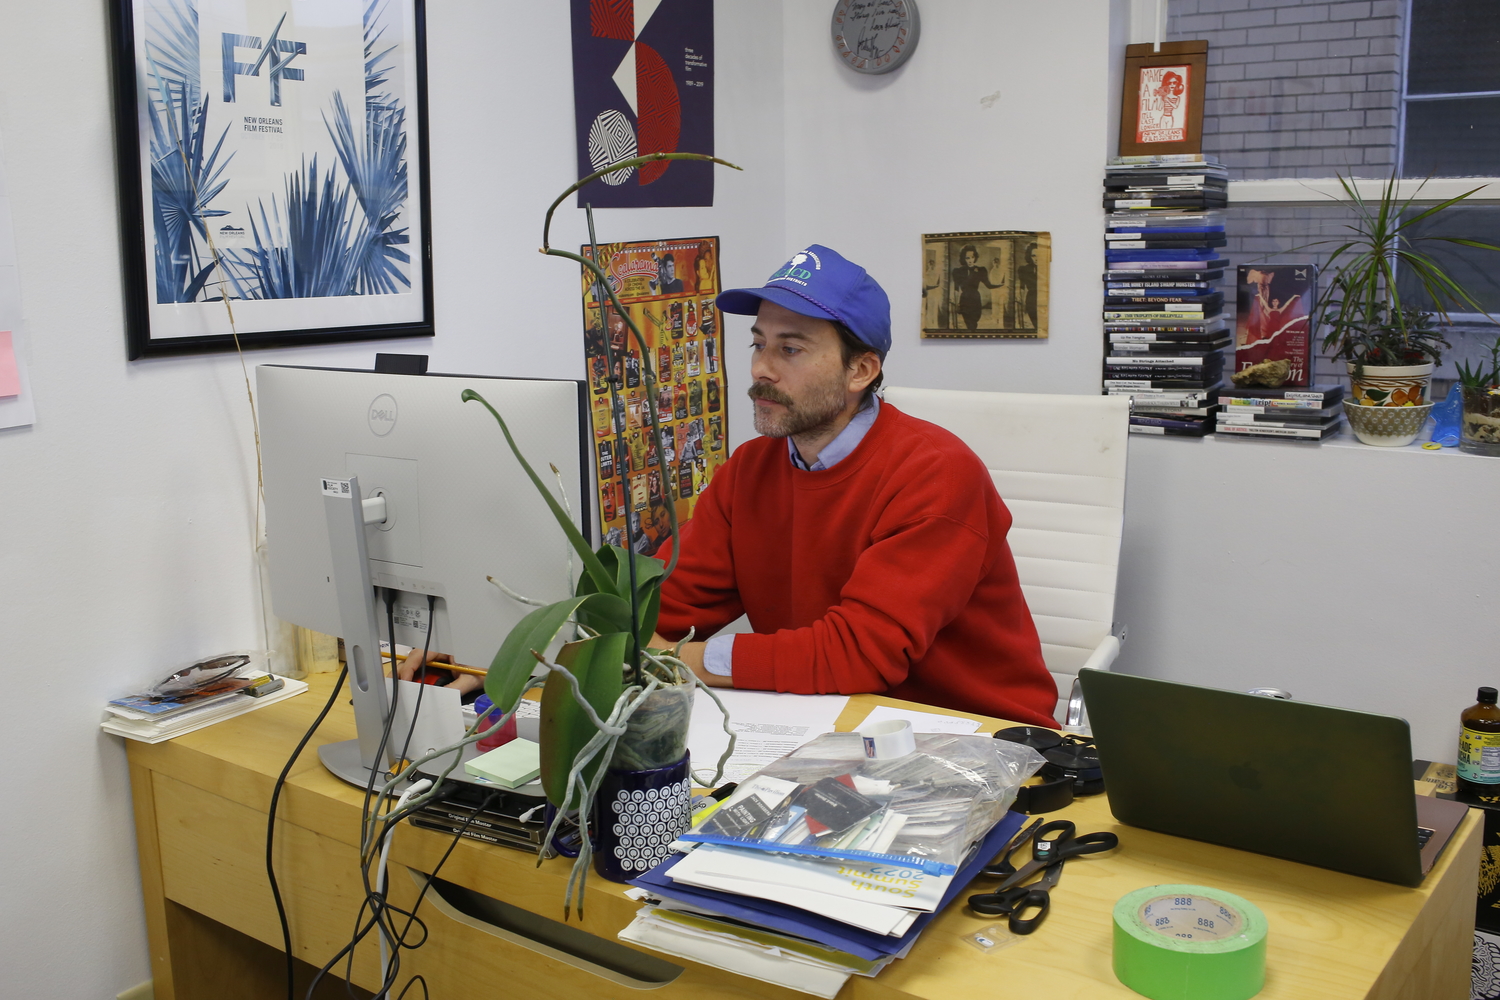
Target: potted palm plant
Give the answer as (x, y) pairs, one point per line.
(615, 711)
(1480, 431)
(1391, 347)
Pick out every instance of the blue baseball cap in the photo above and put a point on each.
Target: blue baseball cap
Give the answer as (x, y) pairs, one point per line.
(821, 283)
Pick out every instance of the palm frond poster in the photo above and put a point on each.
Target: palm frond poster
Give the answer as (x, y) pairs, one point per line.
(273, 171)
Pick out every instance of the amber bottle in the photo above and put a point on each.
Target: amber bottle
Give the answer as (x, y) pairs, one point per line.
(1479, 749)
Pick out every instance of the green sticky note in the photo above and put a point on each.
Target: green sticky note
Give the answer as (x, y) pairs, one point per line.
(511, 765)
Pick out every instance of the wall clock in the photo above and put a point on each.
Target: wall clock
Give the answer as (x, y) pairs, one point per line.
(875, 36)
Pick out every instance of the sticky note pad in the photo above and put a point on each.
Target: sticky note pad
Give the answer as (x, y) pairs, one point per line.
(510, 766)
(10, 376)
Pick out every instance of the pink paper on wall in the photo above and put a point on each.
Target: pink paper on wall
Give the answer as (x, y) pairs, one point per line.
(10, 378)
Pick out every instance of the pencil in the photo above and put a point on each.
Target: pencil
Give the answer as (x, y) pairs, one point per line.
(457, 668)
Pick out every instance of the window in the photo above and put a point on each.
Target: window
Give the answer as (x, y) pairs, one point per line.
(1451, 98)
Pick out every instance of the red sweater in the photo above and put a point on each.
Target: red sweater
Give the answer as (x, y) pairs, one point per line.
(889, 572)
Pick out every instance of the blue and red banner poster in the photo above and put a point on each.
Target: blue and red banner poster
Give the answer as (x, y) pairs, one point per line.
(643, 82)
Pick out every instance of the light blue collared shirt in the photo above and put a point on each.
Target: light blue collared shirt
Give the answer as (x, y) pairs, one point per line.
(718, 652)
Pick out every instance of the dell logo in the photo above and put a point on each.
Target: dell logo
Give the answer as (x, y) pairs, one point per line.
(382, 414)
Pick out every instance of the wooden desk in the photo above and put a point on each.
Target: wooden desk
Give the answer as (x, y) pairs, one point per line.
(201, 800)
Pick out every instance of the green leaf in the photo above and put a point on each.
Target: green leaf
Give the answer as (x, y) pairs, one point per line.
(590, 561)
(598, 663)
(649, 573)
(513, 662)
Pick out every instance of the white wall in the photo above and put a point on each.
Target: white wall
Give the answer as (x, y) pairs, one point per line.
(1346, 574)
(126, 511)
(875, 162)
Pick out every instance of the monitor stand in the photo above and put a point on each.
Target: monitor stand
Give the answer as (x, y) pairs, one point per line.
(354, 760)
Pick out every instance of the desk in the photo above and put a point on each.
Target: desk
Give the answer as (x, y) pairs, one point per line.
(200, 806)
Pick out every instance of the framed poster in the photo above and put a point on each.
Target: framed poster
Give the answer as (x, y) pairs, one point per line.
(669, 287)
(985, 285)
(273, 172)
(1161, 110)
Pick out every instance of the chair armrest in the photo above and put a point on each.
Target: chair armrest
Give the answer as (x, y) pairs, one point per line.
(1103, 655)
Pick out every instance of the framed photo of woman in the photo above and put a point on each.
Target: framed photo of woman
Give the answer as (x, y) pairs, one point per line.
(273, 172)
(985, 285)
(1161, 110)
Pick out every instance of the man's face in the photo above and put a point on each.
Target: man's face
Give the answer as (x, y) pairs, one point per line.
(668, 270)
(801, 383)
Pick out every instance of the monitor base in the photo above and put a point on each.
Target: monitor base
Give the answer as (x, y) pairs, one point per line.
(343, 761)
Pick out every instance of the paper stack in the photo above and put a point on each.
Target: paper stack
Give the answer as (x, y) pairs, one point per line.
(804, 923)
(154, 719)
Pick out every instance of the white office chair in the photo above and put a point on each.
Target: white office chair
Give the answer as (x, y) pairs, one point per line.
(1059, 464)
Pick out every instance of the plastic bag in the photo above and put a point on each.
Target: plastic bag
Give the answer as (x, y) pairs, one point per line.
(827, 799)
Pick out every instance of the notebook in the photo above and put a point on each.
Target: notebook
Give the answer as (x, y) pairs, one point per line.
(1324, 786)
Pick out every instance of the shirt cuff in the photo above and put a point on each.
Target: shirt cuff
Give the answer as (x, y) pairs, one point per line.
(718, 655)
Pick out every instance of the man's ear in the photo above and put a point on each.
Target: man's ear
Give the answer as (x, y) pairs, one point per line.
(863, 369)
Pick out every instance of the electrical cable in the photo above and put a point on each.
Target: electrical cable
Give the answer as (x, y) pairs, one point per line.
(415, 788)
(286, 930)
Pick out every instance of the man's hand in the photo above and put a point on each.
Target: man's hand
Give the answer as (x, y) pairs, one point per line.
(462, 683)
(692, 655)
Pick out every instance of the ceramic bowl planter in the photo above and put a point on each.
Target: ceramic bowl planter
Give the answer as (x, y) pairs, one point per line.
(1389, 385)
(1387, 426)
(1480, 431)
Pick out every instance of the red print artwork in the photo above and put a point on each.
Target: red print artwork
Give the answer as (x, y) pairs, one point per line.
(1163, 104)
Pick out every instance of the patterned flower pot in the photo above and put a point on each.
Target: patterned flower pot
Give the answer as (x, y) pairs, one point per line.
(1387, 426)
(637, 816)
(1389, 385)
(1480, 430)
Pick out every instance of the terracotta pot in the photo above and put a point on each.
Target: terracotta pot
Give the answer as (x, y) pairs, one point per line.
(1389, 385)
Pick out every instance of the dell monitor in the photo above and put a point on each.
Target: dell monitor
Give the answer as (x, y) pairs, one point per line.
(390, 481)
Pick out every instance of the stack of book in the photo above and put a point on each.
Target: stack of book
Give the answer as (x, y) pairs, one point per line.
(1164, 324)
(1311, 414)
(805, 923)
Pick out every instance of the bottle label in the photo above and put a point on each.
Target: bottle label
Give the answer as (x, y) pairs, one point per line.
(1479, 756)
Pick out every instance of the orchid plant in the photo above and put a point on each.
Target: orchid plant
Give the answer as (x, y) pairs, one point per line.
(595, 695)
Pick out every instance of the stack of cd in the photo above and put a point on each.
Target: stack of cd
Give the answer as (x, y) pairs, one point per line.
(1164, 327)
(1314, 413)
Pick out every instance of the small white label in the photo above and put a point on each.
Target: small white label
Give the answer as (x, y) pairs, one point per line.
(412, 618)
(1146, 429)
(1132, 203)
(1194, 179)
(335, 487)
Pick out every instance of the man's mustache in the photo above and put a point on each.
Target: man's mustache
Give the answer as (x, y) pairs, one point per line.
(767, 391)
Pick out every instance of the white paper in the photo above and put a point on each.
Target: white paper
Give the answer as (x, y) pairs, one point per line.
(768, 725)
(877, 918)
(922, 722)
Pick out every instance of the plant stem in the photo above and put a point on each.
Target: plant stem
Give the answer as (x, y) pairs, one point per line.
(634, 652)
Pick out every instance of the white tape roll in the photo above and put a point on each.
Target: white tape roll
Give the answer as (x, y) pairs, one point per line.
(885, 740)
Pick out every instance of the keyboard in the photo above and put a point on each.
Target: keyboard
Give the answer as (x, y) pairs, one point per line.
(1423, 836)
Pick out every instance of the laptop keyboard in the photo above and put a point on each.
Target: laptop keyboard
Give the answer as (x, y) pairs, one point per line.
(1423, 836)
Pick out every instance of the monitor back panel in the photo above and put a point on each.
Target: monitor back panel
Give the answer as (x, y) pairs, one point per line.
(1320, 785)
(460, 506)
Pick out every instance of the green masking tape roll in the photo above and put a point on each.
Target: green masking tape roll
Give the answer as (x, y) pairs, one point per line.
(1188, 942)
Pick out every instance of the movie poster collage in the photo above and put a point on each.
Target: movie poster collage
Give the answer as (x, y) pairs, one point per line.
(668, 287)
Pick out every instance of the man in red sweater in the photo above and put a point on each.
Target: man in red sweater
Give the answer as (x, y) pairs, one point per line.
(867, 547)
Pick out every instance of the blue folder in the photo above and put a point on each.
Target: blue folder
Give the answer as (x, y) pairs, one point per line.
(806, 924)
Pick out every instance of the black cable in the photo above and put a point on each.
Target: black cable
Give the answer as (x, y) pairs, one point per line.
(421, 677)
(286, 930)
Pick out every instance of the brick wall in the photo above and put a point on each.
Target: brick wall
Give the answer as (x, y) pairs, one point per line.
(1298, 89)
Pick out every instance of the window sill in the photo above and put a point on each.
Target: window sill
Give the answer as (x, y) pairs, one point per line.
(1287, 190)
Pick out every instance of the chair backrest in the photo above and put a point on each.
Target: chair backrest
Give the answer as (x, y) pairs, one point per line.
(1059, 464)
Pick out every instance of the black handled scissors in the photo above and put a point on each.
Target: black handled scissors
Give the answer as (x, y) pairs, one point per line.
(1015, 901)
(1047, 852)
(1047, 856)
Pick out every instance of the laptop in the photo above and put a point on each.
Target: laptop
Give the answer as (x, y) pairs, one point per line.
(1325, 786)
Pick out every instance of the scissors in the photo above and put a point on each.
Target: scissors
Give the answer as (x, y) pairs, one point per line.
(1047, 856)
